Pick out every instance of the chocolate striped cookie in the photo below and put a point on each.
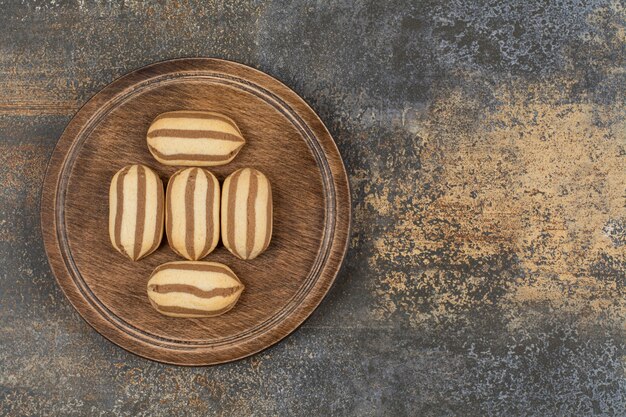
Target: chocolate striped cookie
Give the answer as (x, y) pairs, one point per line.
(136, 211)
(192, 213)
(193, 289)
(194, 138)
(246, 213)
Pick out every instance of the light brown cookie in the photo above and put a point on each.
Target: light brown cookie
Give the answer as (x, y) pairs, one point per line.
(246, 213)
(192, 213)
(193, 289)
(136, 211)
(194, 138)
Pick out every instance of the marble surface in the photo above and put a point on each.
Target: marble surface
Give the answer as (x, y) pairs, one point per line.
(485, 144)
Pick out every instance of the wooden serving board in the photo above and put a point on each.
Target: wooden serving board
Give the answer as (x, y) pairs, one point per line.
(285, 140)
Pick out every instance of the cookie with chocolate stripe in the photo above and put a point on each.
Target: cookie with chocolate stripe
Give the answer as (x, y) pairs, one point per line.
(246, 213)
(193, 289)
(136, 211)
(192, 213)
(194, 138)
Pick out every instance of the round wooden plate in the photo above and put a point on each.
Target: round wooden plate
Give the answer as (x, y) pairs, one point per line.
(285, 140)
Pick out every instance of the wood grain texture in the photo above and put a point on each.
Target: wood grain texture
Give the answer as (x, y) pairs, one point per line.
(285, 139)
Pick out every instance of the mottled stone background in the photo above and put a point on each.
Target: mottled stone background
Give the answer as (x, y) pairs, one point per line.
(486, 148)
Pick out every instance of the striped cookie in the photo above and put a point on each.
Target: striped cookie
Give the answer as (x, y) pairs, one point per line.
(194, 138)
(193, 289)
(192, 213)
(136, 211)
(246, 213)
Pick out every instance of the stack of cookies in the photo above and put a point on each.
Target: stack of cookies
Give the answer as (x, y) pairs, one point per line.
(193, 212)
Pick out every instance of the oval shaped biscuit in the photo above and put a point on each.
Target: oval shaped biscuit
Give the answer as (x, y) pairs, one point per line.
(246, 213)
(192, 213)
(193, 289)
(136, 211)
(194, 138)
